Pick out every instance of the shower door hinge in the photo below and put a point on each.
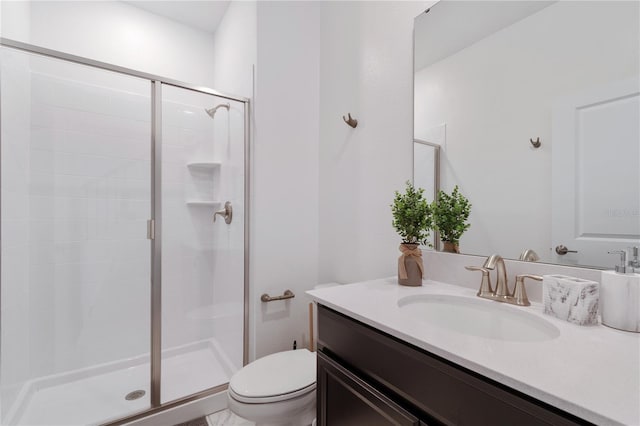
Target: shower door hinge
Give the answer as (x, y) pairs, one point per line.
(151, 229)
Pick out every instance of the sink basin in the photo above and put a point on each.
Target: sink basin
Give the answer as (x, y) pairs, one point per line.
(478, 317)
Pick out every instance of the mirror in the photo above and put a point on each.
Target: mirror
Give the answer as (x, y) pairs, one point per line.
(492, 79)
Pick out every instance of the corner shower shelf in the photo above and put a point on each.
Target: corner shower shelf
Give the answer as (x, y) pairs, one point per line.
(204, 165)
(206, 203)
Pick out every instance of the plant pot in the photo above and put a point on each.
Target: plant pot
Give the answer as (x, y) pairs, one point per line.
(450, 247)
(410, 267)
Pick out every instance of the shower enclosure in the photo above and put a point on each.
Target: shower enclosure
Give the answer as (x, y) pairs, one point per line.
(120, 294)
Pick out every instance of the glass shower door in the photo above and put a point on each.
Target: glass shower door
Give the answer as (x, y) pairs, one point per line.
(202, 252)
(75, 200)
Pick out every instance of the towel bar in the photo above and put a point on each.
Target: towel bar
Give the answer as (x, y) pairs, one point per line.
(288, 294)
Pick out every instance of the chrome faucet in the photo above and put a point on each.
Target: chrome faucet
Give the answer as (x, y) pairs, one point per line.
(501, 293)
(495, 261)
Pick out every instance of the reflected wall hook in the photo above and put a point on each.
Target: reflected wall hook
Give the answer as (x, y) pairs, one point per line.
(351, 121)
(536, 143)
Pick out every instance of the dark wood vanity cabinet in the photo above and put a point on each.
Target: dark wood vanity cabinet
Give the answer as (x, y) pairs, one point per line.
(349, 400)
(369, 378)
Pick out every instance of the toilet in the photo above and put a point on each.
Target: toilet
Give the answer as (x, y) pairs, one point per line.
(278, 389)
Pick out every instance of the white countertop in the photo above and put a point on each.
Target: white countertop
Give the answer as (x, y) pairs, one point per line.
(591, 372)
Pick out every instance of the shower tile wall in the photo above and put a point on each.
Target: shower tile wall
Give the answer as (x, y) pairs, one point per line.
(202, 262)
(188, 231)
(76, 177)
(89, 203)
(229, 242)
(16, 129)
(76, 197)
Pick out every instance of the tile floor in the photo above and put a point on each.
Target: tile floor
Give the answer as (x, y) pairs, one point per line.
(201, 421)
(227, 418)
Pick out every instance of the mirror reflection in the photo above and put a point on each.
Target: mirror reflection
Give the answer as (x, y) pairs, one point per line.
(426, 174)
(535, 106)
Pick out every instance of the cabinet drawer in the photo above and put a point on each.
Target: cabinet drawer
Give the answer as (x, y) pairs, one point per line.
(442, 390)
(346, 400)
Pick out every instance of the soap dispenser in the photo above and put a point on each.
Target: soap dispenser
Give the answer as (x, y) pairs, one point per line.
(634, 263)
(620, 294)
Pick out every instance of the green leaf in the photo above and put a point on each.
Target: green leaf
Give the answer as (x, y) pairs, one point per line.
(450, 214)
(412, 217)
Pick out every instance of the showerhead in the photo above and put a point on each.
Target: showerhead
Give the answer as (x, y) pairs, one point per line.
(212, 111)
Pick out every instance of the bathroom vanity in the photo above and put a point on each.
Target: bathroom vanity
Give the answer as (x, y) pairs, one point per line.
(380, 361)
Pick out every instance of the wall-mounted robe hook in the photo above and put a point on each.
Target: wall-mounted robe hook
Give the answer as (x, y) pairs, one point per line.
(536, 143)
(350, 121)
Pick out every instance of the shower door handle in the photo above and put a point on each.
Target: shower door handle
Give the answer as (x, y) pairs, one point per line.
(226, 213)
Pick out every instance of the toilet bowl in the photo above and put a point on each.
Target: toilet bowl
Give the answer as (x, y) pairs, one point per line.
(278, 389)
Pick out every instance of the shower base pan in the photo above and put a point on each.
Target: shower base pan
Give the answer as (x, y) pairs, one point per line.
(99, 394)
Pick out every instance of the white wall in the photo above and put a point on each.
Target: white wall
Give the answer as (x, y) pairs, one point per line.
(498, 93)
(15, 19)
(234, 49)
(366, 69)
(285, 210)
(322, 190)
(117, 33)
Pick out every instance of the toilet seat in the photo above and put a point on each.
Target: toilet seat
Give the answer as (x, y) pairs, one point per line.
(276, 377)
(274, 398)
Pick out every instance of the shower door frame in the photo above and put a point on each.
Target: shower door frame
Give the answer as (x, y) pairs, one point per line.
(155, 223)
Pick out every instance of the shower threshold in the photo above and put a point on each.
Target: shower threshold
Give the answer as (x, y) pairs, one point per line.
(98, 394)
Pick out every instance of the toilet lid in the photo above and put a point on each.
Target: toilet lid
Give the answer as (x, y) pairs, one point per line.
(275, 377)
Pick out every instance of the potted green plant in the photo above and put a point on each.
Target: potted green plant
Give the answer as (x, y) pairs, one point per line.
(412, 220)
(450, 214)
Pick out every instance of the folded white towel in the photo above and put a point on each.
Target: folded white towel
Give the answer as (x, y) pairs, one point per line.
(571, 299)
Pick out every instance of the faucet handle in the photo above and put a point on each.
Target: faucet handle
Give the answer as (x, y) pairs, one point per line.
(485, 285)
(520, 292)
